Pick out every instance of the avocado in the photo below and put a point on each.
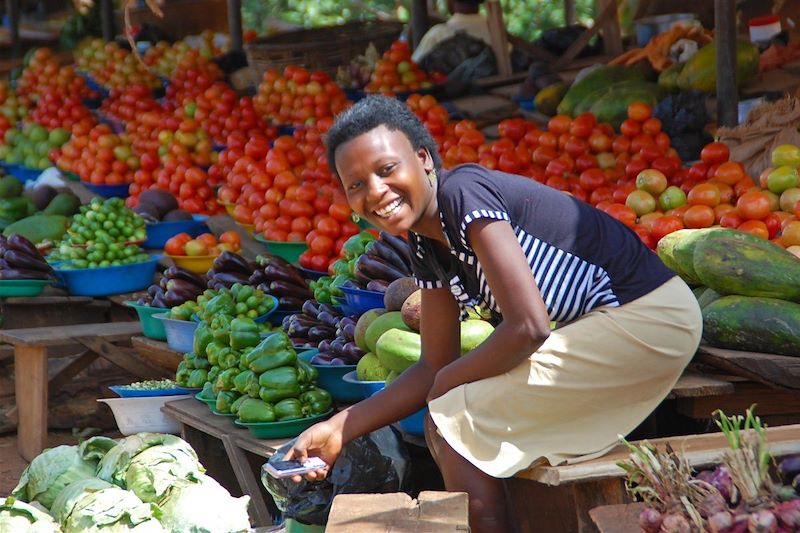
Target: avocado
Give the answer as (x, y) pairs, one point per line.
(64, 203)
(177, 214)
(42, 196)
(160, 199)
(10, 187)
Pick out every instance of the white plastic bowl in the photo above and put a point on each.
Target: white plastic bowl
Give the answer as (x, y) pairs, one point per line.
(140, 414)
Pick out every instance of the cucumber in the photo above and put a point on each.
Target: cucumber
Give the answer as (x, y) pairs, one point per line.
(766, 325)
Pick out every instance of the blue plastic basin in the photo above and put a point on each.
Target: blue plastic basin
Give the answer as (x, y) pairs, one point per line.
(331, 379)
(107, 281)
(180, 333)
(160, 232)
(108, 191)
(413, 424)
(23, 173)
(366, 388)
(361, 300)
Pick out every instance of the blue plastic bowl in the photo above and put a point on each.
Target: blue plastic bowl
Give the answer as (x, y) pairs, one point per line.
(366, 388)
(180, 333)
(160, 232)
(331, 379)
(344, 307)
(361, 300)
(311, 274)
(277, 315)
(107, 281)
(108, 191)
(23, 173)
(413, 424)
(266, 316)
(123, 392)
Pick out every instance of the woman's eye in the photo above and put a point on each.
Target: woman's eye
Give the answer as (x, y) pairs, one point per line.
(354, 186)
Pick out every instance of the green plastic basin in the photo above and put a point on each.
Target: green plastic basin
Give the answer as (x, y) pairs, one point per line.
(22, 287)
(152, 328)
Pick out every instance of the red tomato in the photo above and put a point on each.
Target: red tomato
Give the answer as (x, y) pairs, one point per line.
(715, 153)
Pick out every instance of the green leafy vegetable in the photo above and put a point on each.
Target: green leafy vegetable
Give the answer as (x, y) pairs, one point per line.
(21, 517)
(203, 507)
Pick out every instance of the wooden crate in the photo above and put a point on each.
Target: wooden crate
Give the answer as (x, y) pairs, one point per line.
(183, 17)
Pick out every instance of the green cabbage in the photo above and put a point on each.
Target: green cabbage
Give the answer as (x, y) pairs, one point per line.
(55, 468)
(96, 506)
(148, 463)
(203, 507)
(20, 517)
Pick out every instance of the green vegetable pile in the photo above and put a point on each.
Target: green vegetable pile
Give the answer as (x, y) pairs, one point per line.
(145, 483)
(99, 255)
(257, 379)
(106, 221)
(242, 301)
(325, 289)
(151, 384)
(184, 311)
(353, 248)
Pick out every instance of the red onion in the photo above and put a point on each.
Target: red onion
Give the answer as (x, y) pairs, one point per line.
(762, 522)
(720, 521)
(788, 514)
(675, 523)
(650, 520)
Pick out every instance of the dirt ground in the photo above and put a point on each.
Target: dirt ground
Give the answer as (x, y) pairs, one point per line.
(12, 464)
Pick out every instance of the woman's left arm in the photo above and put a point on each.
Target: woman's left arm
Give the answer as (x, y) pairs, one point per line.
(526, 323)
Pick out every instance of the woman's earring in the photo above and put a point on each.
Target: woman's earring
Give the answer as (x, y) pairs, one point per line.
(432, 176)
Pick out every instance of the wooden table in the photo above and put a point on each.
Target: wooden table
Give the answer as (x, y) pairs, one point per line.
(32, 385)
(623, 518)
(197, 421)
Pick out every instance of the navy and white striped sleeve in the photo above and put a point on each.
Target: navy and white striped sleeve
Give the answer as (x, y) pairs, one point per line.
(424, 276)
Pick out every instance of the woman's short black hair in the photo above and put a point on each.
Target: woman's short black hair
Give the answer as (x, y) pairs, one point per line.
(373, 111)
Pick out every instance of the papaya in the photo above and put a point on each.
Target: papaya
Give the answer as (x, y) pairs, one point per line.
(730, 264)
(398, 349)
(766, 325)
(668, 79)
(708, 296)
(64, 203)
(382, 324)
(700, 72)
(473, 333)
(683, 253)
(600, 77)
(547, 100)
(39, 228)
(612, 106)
(665, 249)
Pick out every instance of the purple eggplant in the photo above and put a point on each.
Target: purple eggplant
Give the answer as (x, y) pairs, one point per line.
(338, 361)
(374, 267)
(18, 259)
(284, 273)
(384, 251)
(399, 245)
(228, 279)
(21, 244)
(183, 286)
(377, 285)
(22, 273)
(303, 343)
(269, 259)
(257, 277)
(298, 329)
(281, 288)
(318, 333)
(158, 301)
(329, 309)
(352, 351)
(175, 272)
(328, 319)
(290, 302)
(311, 308)
(231, 262)
(361, 280)
(321, 359)
(324, 345)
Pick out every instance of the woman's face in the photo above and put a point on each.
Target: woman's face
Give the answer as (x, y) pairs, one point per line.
(385, 179)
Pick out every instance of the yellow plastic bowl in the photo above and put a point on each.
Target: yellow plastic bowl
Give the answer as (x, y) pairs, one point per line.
(199, 264)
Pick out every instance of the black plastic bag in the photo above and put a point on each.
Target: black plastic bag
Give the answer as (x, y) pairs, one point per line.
(375, 463)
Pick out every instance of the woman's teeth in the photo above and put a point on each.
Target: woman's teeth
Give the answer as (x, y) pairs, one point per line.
(389, 209)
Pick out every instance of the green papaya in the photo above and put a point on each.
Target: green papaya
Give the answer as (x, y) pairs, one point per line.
(398, 349)
(473, 333)
(700, 72)
(668, 79)
(382, 324)
(708, 296)
(600, 77)
(612, 106)
(10, 187)
(665, 249)
(39, 228)
(64, 203)
(730, 264)
(766, 325)
(546, 101)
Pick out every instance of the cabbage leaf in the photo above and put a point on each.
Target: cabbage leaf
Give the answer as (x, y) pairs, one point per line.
(203, 506)
(20, 517)
(50, 472)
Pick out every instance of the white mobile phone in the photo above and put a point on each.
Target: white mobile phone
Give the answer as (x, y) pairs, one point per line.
(294, 468)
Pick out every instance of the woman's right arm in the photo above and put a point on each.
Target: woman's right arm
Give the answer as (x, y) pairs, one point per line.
(441, 344)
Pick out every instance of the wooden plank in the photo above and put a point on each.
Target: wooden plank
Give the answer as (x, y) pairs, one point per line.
(72, 369)
(432, 512)
(124, 358)
(770, 402)
(693, 385)
(699, 450)
(592, 494)
(727, 90)
(419, 21)
(47, 300)
(617, 518)
(778, 371)
(612, 38)
(247, 481)
(30, 374)
(610, 9)
(157, 353)
(497, 37)
(112, 332)
(235, 24)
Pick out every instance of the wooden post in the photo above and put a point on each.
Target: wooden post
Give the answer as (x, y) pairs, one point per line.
(725, 36)
(569, 12)
(12, 12)
(30, 376)
(107, 19)
(497, 34)
(235, 24)
(419, 21)
(612, 38)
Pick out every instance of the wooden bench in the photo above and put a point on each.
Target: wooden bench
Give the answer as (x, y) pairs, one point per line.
(32, 385)
(598, 482)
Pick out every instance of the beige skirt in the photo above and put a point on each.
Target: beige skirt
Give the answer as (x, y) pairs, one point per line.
(592, 380)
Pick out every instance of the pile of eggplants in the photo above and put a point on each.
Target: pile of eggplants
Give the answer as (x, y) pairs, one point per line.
(384, 260)
(176, 286)
(228, 269)
(321, 326)
(19, 259)
(276, 276)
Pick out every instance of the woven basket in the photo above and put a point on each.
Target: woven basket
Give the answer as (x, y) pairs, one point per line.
(324, 48)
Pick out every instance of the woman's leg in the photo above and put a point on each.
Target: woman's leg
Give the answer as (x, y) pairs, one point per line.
(487, 501)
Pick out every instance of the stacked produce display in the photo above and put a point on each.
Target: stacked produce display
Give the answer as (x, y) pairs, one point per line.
(19, 259)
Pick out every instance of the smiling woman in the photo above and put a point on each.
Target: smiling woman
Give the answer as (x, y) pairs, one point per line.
(530, 255)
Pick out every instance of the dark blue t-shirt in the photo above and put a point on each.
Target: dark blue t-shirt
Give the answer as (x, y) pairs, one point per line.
(580, 257)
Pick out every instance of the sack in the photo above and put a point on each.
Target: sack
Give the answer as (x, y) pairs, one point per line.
(449, 54)
(374, 463)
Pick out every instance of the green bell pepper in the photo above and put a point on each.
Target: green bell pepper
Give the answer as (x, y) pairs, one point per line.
(221, 304)
(279, 383)
(238, 403)
(288, 409)
(221, 329)
(212, 351)
(276, 341)
(228, 358)
(195, 361)
(182, 373)
(207, 392)
(268, 361)
(224, 401)
(316, 401)
(213, 373)
(202, 338)
(355, 245)
(244, 333)
(244, 379)
(306, 373)
(225, 380)
(242, 292)
(341, 266)
(254, 411)
(197, 378)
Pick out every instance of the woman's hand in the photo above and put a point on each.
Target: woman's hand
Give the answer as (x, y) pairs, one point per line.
(323, 440)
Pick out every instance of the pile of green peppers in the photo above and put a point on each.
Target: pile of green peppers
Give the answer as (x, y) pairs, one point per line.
(240, 300)
(255, 375)
(352, 249)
